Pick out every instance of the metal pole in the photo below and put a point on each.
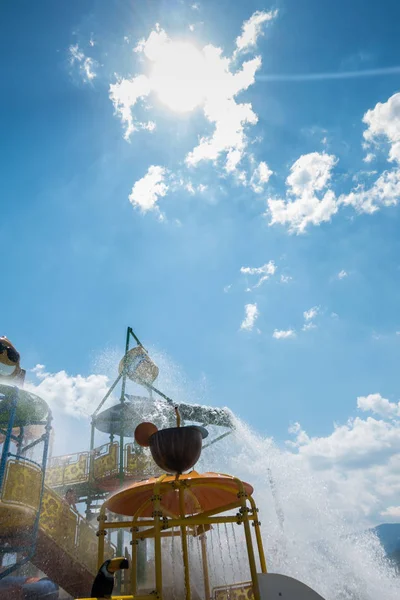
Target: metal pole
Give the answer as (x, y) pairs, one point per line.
(185, 553)
(91, 469)
(107, 395)
(46, 439)
(244, 511)
(206, 577)
(122, 400)
(7, 440)
(20, 440)
(221, 437)
(153, 389)
(135, 337)
(120, 535)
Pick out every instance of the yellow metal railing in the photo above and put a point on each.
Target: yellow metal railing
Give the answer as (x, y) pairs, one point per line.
(22, 483)
(70, 531)
(105, 463)
(67, 470)
(239, 591)
(57, 520)
(74, 469)
(137, 464)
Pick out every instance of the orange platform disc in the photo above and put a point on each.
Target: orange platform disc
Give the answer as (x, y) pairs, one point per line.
(203, 492)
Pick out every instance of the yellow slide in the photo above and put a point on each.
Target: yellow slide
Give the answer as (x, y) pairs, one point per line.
(66, 548)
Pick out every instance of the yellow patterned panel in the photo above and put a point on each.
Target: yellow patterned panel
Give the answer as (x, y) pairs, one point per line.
(138, 464)
(22, 484)
(115, 598)
(107, 464)
(87, 546)
(64, 472)
(68, 526)
(78, 471)
(58, 520)
(240, 591)
(54, 476)
(52, 507)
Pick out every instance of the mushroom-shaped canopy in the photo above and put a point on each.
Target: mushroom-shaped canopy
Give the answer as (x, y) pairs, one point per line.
(202, 492)
(30, 408)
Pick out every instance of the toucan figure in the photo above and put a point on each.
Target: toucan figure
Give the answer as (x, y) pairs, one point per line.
(103, 584)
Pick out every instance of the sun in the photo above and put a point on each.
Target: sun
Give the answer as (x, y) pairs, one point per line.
(179, 76)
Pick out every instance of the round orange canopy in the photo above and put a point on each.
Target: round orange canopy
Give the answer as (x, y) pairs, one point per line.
(202, 492)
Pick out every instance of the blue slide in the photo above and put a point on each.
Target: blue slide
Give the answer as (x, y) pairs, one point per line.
(28, 588)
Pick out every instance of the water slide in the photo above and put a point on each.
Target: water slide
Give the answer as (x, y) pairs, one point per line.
(66, 545)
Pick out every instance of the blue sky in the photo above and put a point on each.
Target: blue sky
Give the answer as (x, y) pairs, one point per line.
(87, 261)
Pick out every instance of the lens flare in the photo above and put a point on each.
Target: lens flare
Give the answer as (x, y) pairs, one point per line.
(179, 76)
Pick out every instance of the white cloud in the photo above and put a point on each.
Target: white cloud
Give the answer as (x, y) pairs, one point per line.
(384, 192)
(124, 95)
(393, 512)
(227, 288)
(214, 84)
(311, 314)
(73, 395)
(300, 435)
(286, 278)
(76, 55)
(308, 326)
(312, 173)
(281, 334)
(378, 405)
(369, 157)
(154, 45)
(265, 272)
(309, 174)
(86, 64)
(222, 110)
(358, 444)
(252, 29)
(260, 177)
(192, 188)
(146, 191)
(359, 462)
(383, 121)
(251, 314)
(342, 274)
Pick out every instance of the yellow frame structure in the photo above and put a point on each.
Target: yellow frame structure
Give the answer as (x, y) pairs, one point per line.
(160, 525)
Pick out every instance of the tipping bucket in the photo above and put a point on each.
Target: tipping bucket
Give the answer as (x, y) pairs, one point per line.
(138, 366)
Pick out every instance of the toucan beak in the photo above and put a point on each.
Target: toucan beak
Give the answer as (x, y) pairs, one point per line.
(117, 564)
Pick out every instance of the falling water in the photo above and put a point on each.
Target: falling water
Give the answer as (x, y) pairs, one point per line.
(304, 535)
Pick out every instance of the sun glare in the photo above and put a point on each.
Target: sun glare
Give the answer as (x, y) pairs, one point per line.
(178, 76)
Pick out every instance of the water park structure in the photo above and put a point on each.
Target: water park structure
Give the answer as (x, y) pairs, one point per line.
(37, 525)
(163, 530)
